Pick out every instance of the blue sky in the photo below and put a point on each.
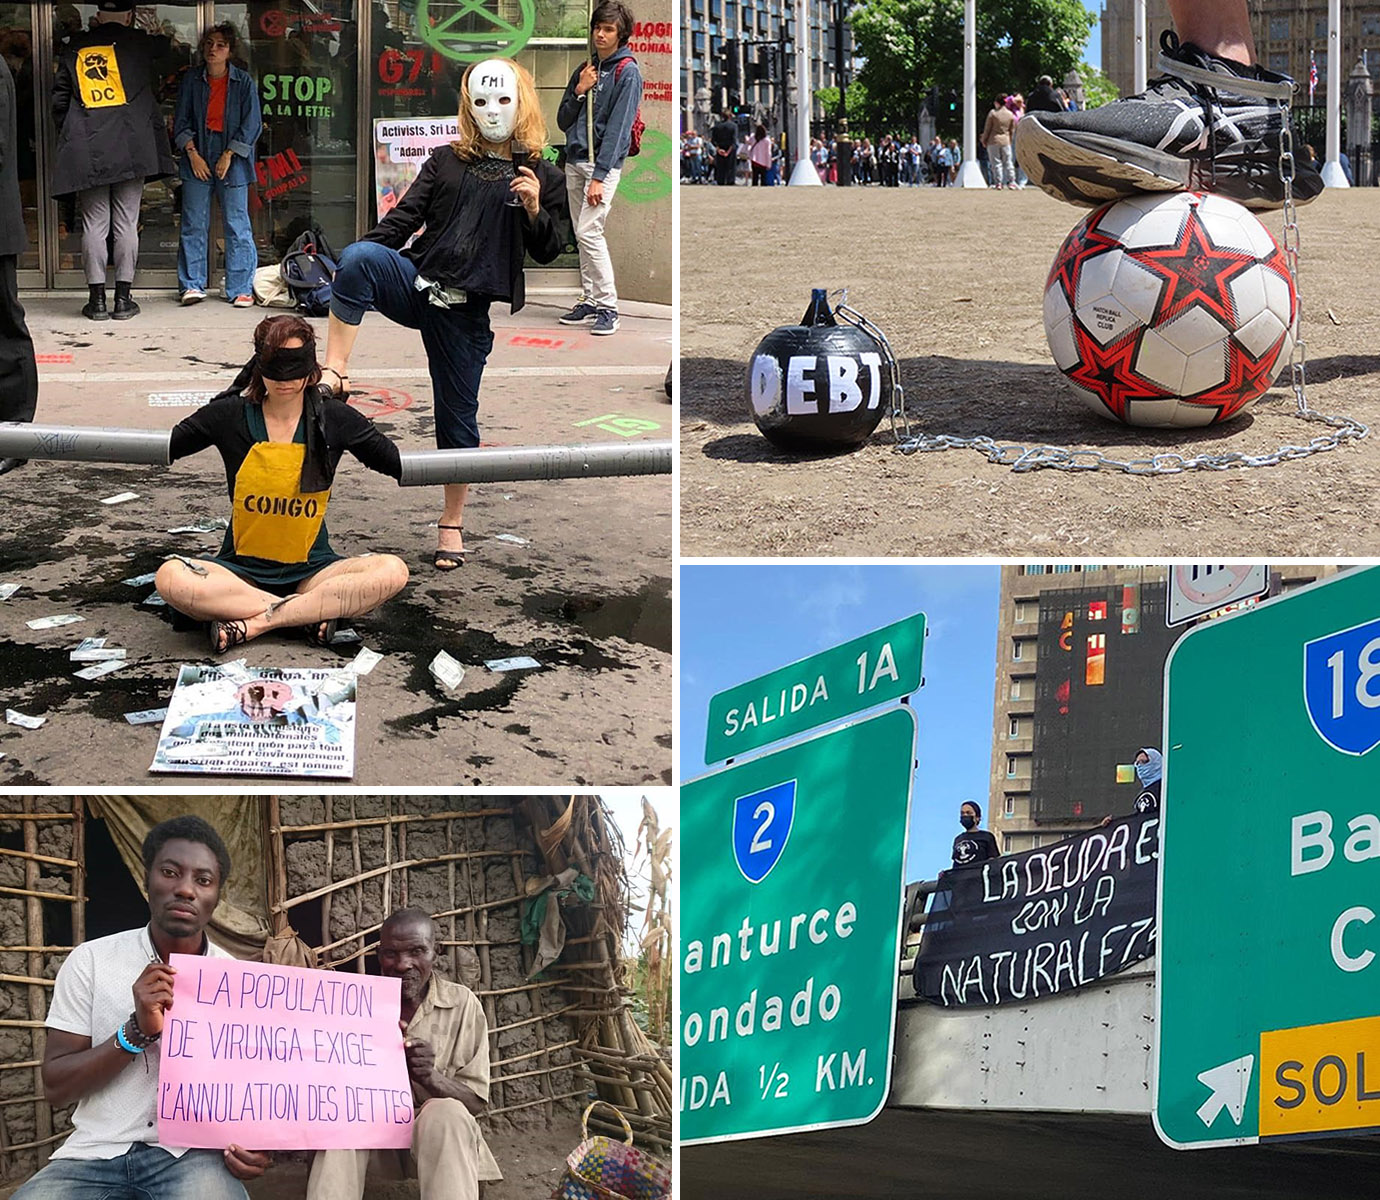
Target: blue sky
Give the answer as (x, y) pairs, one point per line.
(738, 622)
(1093, 54)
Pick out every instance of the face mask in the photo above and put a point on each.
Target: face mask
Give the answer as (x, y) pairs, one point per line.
(1148, 772)
(295, 363)
(967, 821)
(494, 99)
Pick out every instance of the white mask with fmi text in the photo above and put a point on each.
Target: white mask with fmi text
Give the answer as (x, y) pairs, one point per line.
(494, 99)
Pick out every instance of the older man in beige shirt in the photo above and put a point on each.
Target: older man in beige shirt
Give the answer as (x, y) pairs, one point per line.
(447, 1046)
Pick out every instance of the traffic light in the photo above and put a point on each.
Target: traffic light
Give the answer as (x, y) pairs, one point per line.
(953, 102)
(728, 54)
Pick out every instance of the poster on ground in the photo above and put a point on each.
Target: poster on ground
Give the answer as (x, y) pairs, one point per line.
(282, 1058)
(234, 720)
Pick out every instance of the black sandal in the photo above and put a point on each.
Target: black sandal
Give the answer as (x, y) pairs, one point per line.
(235, 634)
(456, 558)
(314, 634)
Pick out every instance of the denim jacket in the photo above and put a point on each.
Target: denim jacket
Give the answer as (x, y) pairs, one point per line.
(243, 123)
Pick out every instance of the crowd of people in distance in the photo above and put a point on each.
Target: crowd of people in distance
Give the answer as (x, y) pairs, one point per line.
(732, 153)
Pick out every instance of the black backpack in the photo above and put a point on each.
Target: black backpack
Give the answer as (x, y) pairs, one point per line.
(308, 268)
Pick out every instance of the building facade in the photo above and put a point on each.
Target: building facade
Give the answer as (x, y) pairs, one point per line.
(1289, 34)
(1079, 688)
(329, 72)
(730, 56)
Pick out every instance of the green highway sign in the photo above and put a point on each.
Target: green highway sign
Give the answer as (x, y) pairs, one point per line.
(1269, 938)
(790, 932)
(828, 686)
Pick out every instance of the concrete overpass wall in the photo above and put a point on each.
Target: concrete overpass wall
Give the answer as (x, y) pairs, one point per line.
(1089, 1051)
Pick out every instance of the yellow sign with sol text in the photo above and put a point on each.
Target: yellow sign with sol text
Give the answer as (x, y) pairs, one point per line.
(1320, 1079)
(98, 77)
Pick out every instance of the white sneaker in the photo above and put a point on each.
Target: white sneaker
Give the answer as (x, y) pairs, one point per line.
(192, 296)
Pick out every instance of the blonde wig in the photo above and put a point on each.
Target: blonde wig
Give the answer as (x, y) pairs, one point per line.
(530, 128)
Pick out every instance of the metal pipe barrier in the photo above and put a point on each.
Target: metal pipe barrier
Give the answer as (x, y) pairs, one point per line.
(497, 464)
(139, 446)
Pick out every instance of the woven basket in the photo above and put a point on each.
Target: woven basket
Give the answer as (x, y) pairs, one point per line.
(600, 1168)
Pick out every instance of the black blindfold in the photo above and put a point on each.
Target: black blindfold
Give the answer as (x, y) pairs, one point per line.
(287, 363)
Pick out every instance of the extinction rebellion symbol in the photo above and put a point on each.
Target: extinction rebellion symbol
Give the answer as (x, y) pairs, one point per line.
(474, 30)
(1341, 687)
(761, 827)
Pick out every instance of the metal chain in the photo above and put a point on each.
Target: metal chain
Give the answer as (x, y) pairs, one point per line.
(1061, 458)
(897, 412)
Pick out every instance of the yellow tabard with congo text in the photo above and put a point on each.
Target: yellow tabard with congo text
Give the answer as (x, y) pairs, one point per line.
(273, 518)
(98, 77)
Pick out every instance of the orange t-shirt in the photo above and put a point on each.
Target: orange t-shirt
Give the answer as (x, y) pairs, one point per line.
(215, 108)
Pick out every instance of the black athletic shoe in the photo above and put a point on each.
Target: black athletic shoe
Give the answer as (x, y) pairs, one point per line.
(1209, 125)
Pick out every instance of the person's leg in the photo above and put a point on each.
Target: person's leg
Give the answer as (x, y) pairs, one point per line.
(370, 276)
(596, 265)
(241, 258)
(197, 1175)
(458, 342)
(1221, 27)
(348, 587)
(338, 1175)
(125, 199)
(577, 177)
(18, 369)
(196, 228)
(95, 233)
(447, 1143)
(78, 1179)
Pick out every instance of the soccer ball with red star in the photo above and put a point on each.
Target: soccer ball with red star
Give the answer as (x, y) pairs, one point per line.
(1170, 310)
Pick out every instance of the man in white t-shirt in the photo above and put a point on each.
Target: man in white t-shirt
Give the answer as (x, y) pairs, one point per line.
(102, 1049)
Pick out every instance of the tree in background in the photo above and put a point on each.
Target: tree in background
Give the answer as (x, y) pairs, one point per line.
(911, 45)
(1097, 88)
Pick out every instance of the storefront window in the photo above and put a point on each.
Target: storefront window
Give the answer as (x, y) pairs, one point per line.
(304, 58)
(17, 47)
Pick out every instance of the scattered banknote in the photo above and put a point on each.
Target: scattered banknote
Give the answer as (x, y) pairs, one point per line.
(365, 661)
(95, 654)
(13, 717)
(96, 670)
(91, 643)
(236, 671)
(146, 716)
(511, 537)
(154, 600)
(120, 498)
(446, 671)
(211, 525)
(54, 622)
(139, 580)
(8, 589)
(521, 663)
(344, 637)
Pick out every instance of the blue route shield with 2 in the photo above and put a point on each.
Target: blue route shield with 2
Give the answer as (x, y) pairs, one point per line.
(761, 827)
(1341, 687)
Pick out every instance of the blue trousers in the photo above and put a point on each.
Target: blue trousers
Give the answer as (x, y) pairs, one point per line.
(241, 258)
(142, 1173)
(457, 340)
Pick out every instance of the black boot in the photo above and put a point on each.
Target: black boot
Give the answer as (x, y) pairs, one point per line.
(124, 306)
(95, 308)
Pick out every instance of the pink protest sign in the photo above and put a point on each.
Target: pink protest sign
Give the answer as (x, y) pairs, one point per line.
(281, 1058)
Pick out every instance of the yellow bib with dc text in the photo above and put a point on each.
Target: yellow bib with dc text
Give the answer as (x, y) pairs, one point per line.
(98, 77)
(274, 518)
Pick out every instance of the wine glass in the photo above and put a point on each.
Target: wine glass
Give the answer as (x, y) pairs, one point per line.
(520, 156)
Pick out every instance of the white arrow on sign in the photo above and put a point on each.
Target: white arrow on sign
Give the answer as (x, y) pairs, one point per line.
(1230, 1084)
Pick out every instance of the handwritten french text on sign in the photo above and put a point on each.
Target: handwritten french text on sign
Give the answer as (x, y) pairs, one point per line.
(879, 666)
(282, 1058)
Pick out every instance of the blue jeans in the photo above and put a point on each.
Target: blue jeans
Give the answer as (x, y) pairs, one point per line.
(240, 255)
(142, 1173)
(457, 340)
